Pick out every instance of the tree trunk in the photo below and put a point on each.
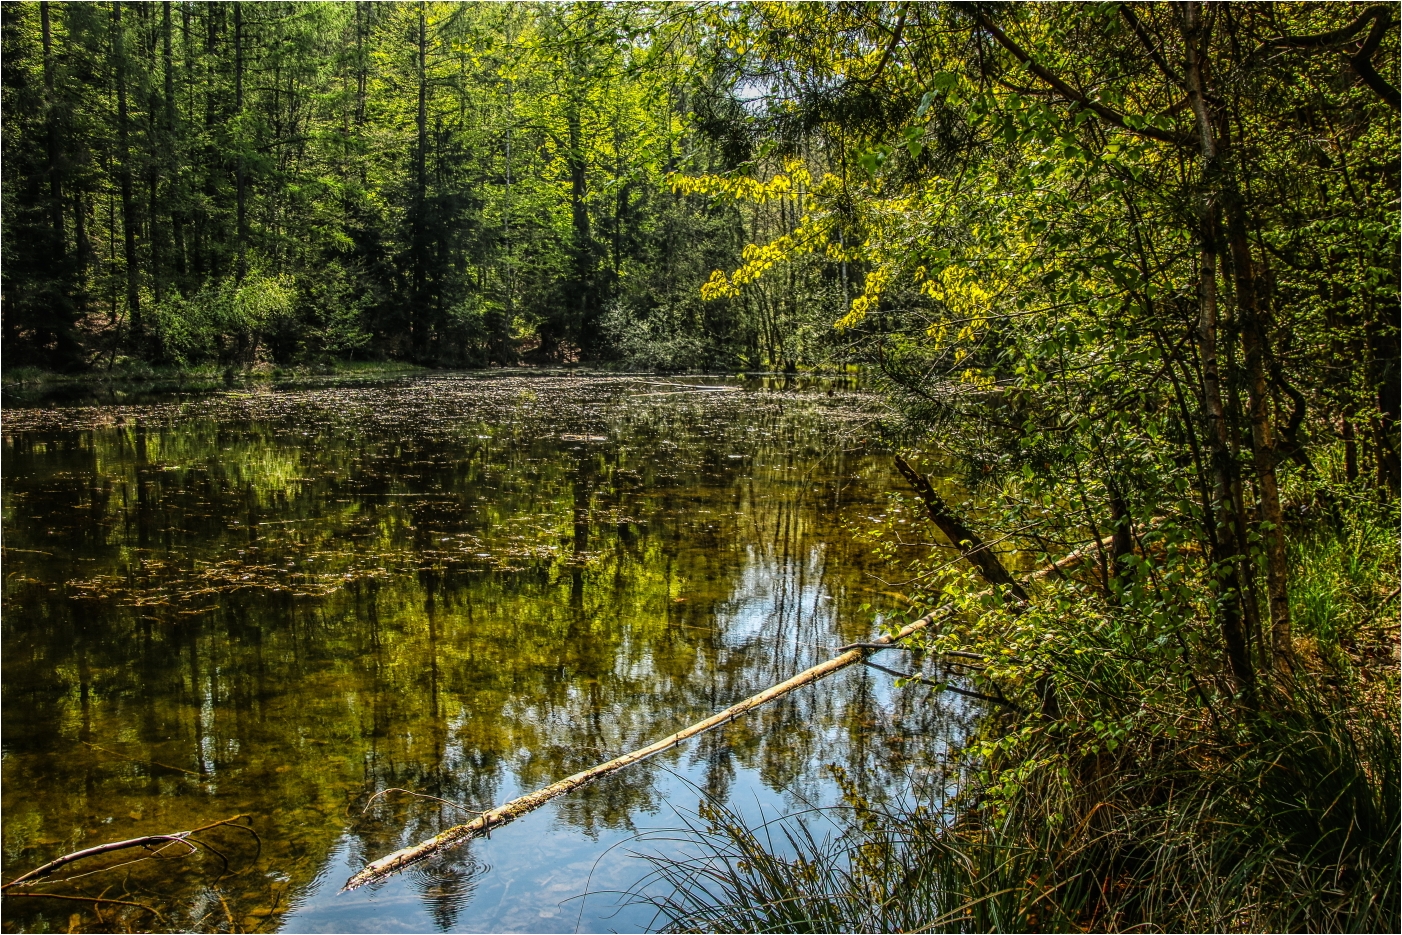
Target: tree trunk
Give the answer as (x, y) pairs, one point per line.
(240, 181)
(1380, 338)
(51, 135)
(177, 233)
(153, 203)
(128, 204)
(579, 213)
(1350, 438)
(964, 539)
(82, 248)
(1221, 533)
(416, 312)
(506, 353)
(1263, 446)
(361, 73)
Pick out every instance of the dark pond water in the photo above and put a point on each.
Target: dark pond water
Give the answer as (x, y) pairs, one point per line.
(276, 603)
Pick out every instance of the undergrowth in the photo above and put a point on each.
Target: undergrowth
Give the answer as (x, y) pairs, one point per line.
(1137, 790)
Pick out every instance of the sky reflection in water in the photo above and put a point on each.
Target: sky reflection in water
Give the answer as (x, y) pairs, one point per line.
(278, 602)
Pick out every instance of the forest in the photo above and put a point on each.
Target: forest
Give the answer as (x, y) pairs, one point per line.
(1127, 273)
(446, 184)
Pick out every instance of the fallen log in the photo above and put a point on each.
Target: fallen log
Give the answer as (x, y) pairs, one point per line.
(514, 809)
(1063, 565)
(502, 814)
(974, 549)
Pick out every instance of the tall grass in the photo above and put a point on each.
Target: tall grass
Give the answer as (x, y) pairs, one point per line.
(1293, 829)
(1137, 807)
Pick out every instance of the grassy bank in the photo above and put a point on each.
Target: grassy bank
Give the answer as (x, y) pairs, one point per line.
(129, 371)
(1139, 790)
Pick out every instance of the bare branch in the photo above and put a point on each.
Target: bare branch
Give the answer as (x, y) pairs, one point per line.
(145, 841)
(1108, 114)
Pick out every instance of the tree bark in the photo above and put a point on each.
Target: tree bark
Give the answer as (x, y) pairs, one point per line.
(51, 135)
(1222, 538)
(129, 222)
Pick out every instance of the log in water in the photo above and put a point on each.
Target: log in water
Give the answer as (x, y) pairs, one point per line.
(527, 803)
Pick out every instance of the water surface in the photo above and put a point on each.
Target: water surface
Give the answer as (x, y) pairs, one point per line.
(276, 603)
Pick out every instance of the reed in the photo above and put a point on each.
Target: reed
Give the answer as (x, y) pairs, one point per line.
(1295, 827)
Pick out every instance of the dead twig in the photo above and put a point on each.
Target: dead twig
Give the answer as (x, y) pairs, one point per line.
(146, 841)
(943, 686)
(1376, 610)
(179, 769)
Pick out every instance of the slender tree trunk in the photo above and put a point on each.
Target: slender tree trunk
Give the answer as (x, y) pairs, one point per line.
(579, 213)
(507, 353)
(241, 182)
(419, 301)
(128, 203)
(361, 73)
(1263, 446)
(153, 203)
(51, 135)
(1230, 593)
(620, 203)
(1250, 599)
(1350, 449)
(154, 136)
(177, 232)
(82, 248)
(1381, 343)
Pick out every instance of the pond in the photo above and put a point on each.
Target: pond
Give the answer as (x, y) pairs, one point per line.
(277, 602)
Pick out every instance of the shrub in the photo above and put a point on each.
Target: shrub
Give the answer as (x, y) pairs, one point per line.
(225, 323)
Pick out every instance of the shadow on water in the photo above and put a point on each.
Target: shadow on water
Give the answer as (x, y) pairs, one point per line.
(278, 603)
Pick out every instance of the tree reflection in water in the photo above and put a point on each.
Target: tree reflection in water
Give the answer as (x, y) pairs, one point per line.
(280, 603)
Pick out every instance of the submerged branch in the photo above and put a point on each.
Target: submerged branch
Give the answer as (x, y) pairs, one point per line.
(943, 686)
(95, 900)
(146, 841)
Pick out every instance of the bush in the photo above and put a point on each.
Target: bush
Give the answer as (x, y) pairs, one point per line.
(669, 338)
(225, 323)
